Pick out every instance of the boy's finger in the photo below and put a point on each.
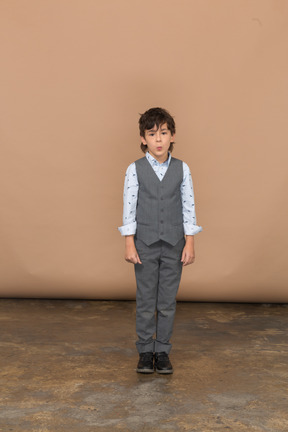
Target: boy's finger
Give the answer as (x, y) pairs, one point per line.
(183, 259)
(187, 260)
(132, 260)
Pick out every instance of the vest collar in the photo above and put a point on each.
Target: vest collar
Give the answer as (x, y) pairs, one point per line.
(154, 173)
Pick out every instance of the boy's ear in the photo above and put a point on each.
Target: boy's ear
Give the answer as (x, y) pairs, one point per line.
(172, 138)
(143, 140)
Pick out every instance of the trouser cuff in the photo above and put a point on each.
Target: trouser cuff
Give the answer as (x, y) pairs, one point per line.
(145, 347)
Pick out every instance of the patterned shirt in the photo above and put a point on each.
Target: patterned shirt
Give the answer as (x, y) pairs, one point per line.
(130, 197)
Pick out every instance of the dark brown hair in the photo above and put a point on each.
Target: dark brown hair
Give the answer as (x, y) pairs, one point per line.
(152, 117)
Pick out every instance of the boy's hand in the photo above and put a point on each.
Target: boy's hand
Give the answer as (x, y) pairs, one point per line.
(131, 254)
(188, 254)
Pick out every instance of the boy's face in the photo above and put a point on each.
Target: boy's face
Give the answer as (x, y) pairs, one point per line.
(158, 142)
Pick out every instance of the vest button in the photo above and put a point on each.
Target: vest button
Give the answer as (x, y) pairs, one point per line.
(162, 210)
(161, 198)
(161, 233)
(161, 221)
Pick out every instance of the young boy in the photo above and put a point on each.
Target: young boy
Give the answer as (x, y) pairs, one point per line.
(158, 213)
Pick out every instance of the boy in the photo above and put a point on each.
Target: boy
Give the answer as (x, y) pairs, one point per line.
(158, 212)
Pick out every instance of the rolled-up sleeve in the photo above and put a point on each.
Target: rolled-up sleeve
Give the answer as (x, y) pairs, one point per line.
(130, 196)
(188, 204)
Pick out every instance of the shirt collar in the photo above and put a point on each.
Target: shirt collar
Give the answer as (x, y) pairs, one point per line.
(154, 161)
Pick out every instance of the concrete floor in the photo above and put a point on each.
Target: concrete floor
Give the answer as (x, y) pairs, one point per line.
(69, 365)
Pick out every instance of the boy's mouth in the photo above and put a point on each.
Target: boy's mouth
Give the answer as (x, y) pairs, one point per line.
(159, 148)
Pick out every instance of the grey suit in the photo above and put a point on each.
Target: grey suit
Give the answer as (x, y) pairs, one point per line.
(159, 241)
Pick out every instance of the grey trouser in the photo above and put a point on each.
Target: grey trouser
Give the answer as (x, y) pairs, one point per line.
(158, 279)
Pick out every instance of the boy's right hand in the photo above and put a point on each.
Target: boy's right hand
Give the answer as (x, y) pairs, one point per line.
(131, 254)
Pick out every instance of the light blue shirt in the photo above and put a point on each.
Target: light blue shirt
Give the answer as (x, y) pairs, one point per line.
(130, 197)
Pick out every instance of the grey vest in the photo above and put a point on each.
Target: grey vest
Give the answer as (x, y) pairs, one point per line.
(159, 205)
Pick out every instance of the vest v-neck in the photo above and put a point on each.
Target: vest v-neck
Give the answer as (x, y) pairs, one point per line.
(160, 181)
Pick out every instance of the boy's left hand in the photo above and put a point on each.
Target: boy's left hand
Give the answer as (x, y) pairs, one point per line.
(188, 254)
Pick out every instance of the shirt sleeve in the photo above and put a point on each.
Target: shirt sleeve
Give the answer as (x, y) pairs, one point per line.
(130, 196)
(188, 205)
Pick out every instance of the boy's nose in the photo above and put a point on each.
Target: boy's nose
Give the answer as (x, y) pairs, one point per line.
(158, 137)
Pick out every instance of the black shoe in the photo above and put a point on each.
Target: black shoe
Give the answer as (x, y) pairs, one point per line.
(145, 364)
(163, 364)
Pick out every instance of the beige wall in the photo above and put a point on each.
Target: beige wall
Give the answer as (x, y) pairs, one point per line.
(74, 76)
